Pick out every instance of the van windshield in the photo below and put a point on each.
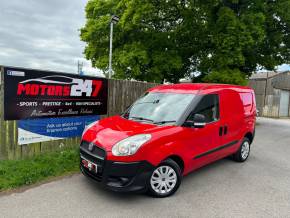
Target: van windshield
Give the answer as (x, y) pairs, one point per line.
(159, 108)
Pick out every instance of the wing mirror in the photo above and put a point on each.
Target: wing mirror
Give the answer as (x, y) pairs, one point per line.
(197, 122)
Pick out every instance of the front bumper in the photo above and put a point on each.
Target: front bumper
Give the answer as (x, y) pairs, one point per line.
(118, 176)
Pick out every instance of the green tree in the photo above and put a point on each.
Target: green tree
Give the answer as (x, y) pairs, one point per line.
(224, 40)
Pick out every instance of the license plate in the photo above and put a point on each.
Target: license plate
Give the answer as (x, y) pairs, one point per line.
(90, 166)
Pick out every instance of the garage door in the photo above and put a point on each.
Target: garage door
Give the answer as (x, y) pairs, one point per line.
(284, 104)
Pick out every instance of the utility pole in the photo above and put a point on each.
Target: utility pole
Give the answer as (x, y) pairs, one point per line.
(114, 20)
(80, 67)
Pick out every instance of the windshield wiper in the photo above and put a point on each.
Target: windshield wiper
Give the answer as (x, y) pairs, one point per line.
(141, 118)
(165, 121)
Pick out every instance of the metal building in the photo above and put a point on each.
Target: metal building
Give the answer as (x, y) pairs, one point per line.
(272, 93)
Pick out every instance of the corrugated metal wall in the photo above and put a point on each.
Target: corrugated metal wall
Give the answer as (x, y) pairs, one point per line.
(272, 102)
(268, 93)
(259, 87)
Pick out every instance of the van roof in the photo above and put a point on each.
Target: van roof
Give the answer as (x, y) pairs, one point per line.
(195, 88)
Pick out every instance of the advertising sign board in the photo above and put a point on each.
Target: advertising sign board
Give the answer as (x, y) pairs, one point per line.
(30, 94)
(46, 129)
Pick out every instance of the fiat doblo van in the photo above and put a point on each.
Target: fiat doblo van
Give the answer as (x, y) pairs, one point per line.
(167, 133)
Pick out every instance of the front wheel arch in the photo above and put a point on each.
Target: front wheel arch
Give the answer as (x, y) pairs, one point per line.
(174, 166)
(177, 159)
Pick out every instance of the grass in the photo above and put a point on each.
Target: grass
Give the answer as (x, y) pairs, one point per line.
(17, 173)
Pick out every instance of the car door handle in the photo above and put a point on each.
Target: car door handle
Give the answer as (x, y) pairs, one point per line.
(221, 131)
(225, 130)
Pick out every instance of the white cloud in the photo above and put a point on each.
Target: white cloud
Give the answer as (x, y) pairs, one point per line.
(43, 34)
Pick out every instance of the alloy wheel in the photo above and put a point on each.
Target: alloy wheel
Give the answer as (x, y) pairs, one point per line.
(163, 179)
(245, 150)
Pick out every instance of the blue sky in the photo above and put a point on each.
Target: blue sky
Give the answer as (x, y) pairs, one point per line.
(284, 67)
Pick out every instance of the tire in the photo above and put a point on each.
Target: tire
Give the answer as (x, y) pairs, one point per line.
(171, 172)
(244, 151)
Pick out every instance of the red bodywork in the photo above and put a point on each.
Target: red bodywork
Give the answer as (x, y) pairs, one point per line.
(237, 112)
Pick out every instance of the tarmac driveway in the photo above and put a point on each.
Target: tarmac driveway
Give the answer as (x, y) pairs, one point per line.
(259, 187)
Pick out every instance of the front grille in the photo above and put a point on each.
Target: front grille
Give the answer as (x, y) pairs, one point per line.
(97, 151)
(93, 159)
(96, 156)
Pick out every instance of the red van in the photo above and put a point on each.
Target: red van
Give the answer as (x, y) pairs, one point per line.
(167, 133)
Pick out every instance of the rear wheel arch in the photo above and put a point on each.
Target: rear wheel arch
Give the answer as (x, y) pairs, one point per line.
(249, 136)
(243, 152)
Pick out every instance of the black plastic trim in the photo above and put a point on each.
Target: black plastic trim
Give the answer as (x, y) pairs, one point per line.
(221, 130)
(90, 153)
(122, 176)
(97, 151)
(216, 149)
(225, 130)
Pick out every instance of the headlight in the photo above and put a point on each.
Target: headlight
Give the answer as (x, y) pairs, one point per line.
(130, 145)
(89, 126)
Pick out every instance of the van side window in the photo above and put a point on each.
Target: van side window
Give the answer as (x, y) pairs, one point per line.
(247, 99)
(209, 107)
